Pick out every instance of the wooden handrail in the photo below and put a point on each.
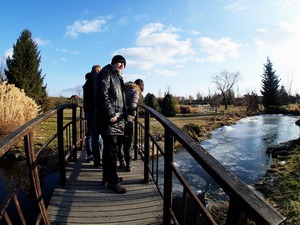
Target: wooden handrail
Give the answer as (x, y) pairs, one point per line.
(25, 133)
(244, 203)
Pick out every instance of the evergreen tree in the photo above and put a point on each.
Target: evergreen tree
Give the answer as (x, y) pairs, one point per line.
(168, 107)
(270, 86)
(151, 101)
(283, 96)
(23, 68)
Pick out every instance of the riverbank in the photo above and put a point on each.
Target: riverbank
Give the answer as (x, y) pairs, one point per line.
(281, 184)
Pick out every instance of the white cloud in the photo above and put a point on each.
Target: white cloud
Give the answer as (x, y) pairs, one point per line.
(85, 26)
(194, 32)
(62, 50)
(287, 4)
(41, 42)
(3, 58)
(165, 72)
(281, 42)
(123, 21)
(235, 6)
(76, 52)
(9, 53)
(157, 45)
(218, 51)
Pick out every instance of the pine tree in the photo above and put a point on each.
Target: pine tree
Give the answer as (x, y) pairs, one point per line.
(168, 108)
(151, 101)
(23, 68)
(283, 96)
(270, 86)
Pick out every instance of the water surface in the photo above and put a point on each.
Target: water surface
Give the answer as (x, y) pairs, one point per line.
(241, 148)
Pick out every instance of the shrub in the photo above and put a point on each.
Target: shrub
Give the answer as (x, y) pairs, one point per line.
(15, 108)
(193, 130)
(185, 109)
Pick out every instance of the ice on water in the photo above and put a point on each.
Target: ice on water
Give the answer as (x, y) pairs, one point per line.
(241, 147)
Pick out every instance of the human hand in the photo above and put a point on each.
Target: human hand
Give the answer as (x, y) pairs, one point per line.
(113, 119)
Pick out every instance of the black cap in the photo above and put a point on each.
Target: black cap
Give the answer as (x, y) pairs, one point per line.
(118, 58)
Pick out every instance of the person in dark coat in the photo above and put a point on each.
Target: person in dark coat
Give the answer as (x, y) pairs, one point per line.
(109, 118)
(92, 139)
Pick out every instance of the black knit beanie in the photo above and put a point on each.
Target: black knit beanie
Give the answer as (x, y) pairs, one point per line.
(118, 58)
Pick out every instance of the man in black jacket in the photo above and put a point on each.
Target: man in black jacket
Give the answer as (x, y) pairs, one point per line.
(92, 138)
(109, 117)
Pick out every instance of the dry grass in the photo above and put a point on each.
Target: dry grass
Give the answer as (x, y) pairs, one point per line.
(294, 107)
(203, 117)
(15, 108)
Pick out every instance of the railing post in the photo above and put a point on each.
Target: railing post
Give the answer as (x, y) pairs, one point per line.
(168, 177)
(34, 176)
(235, 215)
(146, 147)
(60, 145)
(135, 145)
(81, 129)
(74, 133)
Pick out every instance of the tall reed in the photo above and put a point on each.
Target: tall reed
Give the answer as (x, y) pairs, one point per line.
(15, 108)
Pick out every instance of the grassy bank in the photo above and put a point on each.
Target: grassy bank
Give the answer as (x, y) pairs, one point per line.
(281, 185)
(206, 121)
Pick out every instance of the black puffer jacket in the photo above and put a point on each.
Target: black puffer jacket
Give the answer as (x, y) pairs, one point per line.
(109, 101)
(88, 93)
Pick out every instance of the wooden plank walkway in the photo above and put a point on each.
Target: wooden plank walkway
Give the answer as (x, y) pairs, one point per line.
(84, 200)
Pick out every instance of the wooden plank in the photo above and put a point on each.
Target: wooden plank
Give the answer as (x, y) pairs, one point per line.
(84, 200)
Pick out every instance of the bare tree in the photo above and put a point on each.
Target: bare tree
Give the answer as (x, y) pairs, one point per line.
(225, 81)
(289, 85)
(159, 93)
(78, 89)
(199, 97)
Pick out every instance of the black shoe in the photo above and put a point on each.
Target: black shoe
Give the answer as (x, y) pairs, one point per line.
(122, 165)
(120, 179)
(129, 167)
(97, 164)
(89, 158)
(117, 188)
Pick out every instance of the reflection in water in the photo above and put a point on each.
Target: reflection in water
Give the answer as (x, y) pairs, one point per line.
(10, 171)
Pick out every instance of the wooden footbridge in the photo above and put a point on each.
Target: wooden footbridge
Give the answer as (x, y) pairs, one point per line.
(81, 199)
(84, 200)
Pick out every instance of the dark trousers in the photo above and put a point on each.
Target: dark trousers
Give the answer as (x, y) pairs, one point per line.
(92, 138)
(127, 142)
(109, 157)
(124, 145)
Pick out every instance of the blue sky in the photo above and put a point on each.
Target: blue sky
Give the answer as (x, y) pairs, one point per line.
(174, 46)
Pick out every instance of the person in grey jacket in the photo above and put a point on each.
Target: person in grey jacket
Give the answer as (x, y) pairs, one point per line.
(133, 91)
(110, 108)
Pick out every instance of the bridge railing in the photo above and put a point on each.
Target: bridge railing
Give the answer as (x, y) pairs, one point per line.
(159, 166)
(68, 136)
